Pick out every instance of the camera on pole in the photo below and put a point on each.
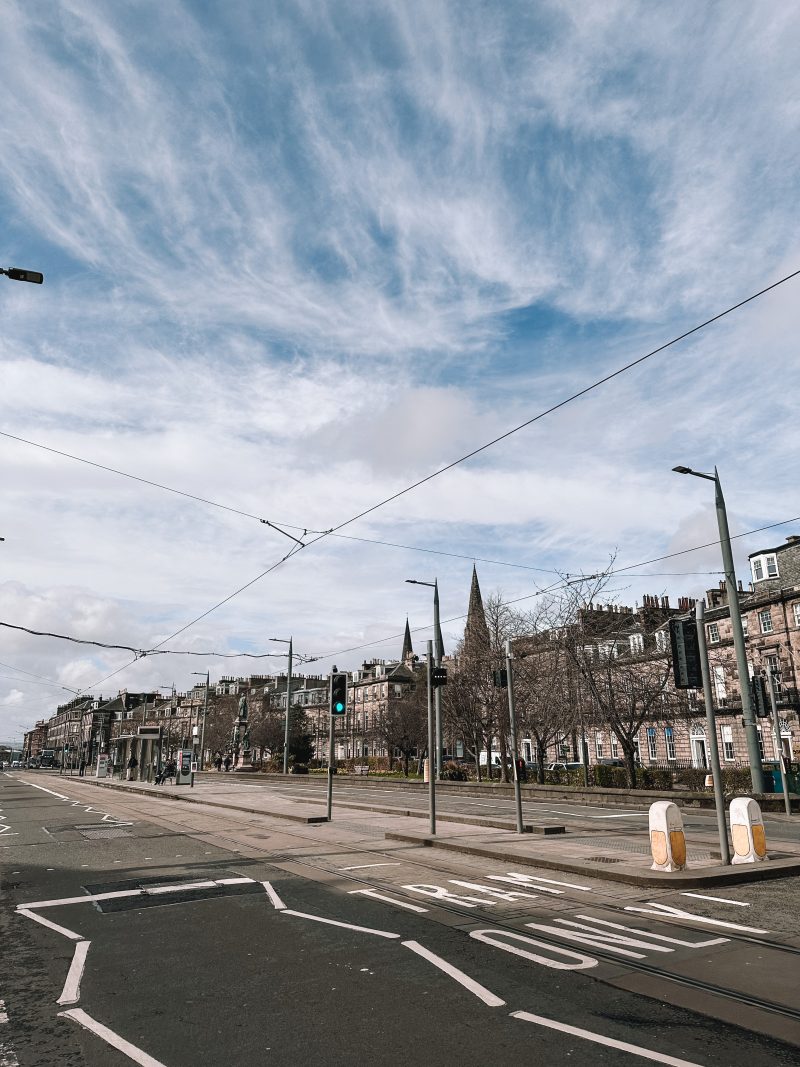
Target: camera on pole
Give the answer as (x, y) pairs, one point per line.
(338, 693)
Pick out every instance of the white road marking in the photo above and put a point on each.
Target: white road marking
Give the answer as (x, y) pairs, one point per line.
(8, 1058)
(234, 881)
(599, 1039)
(577, 960)
(8, 831)
(363, 866)
(79, 1016)
(156, 890)
(664, 912)
(50, 925)
(3, 1012)
(583, 815)
(719, 900)
(525, 879)
(273, 896)
(389, 900)
(88, 899)
(335, 922)
(50, 791)
(72, 987)
(481, 992)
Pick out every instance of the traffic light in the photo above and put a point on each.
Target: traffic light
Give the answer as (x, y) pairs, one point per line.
(438, 676)
(500, 678)
(338, 693)
(760, 700)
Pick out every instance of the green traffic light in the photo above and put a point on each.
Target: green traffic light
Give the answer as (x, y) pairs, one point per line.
(339, 705)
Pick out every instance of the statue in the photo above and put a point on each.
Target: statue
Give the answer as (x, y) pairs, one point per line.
(243, 708)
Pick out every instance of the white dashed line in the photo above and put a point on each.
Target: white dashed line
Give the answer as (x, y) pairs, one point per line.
(79, 1016)
(481, 992)
(273, 896)
(363, 866)
(72, 987)
(50, 925)
(717, 900)
(336, 922)
(599, 1039)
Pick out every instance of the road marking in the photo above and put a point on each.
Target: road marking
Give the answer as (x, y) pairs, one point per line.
(719, 900)
(335, 922)
(273, 896)
(582, 815)
(50, 791)
(526, 879)
(50, 925)
(72, 987)
(234, 881)
(481, 992)
(87, 899)
(652, 936)
(389, 900)
(3, 1012)
(8, 1058)
(664, 912)
(489, 937)
(587, 1035)
(79, 1016)
(155, 890)
(363, 866)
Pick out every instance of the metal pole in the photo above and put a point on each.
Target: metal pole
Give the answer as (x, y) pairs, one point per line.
(513, 724)
(711, 730)
(431, 769)
(776, 726)
(288, 711)
(751, 733)
(205, 715)
(437, 692)
(330, 748)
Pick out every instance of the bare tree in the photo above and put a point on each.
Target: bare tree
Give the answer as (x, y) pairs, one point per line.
(404, 722)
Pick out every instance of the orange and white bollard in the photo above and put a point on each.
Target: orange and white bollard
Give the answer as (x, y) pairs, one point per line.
(747, 831)
(667, 839)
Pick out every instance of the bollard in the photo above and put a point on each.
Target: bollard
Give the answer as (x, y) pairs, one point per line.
(747, 831)
(667, 841)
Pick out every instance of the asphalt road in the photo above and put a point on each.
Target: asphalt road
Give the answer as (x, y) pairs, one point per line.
(234, 939)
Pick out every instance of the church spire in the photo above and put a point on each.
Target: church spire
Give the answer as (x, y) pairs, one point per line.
(476, 632)
(408, 651)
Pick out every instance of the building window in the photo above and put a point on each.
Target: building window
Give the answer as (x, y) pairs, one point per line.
(598, 744)
(713, 633)
(758, 570)
(772, 567)
(760, 741)
(669, 740)
(796, 610)
(765, 621)
(636, 641)
(719, 686)
(662, 641)
(614, 746)
(727, 742)
(651, 742)
(744, 625)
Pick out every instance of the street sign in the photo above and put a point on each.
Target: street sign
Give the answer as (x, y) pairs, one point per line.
(685, 654)
(438, 676)
(500, 678)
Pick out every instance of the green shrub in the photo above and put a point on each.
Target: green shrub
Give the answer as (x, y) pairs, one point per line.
(454, 772)
(654, 778)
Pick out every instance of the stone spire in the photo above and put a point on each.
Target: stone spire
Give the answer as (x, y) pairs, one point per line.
(476, 632)
(408, 651)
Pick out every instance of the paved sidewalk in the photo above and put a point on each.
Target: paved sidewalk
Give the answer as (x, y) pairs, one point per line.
(619, 857)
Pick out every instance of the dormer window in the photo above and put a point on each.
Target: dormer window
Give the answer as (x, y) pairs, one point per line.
(765, 566)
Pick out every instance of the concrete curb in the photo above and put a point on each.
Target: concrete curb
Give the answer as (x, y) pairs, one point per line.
(690, 879)
(162, 795)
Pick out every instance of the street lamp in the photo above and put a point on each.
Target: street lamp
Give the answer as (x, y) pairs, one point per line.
(17, 274)
(437, 695)
(284, 641)
(751, 733)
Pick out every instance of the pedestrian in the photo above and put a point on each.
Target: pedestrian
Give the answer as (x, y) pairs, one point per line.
(228, 762)
(132, 764)
(82, 768)
(218, 763)
(522, 770)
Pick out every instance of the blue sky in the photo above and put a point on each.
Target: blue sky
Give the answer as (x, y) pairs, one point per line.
(298, 255)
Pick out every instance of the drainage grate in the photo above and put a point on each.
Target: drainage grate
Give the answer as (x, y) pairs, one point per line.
(92, 832)
(603, 859)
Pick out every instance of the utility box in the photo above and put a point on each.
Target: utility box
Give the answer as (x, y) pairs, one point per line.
(184, 772)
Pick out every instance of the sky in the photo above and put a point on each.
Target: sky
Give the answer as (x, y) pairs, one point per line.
(300, 255)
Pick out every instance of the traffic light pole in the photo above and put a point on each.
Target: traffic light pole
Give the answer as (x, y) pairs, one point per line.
(776, 726)
(437, 693)
(431, 741)
(711, 730)
(288, 710)
(513, 725)
(330, 767)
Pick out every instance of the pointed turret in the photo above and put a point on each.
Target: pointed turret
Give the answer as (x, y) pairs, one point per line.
(408, 651)
(476, 632)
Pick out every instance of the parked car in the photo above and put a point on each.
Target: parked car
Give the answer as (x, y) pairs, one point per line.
(573, 766)
(611, 762)
(15, 764)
